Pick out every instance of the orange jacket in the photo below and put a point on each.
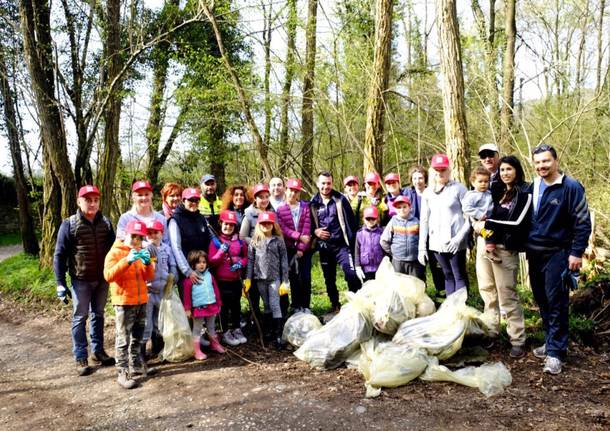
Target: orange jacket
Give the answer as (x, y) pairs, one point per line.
(127, 281)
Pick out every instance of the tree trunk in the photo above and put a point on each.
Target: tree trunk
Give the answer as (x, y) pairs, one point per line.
(112, 114)
(373, 136)
(243, 99)
(308, 93)
(508, 104)
(59, 186)
(453, 89)
(291, 30)
(267, 78)
(26, 222)
(600, 47)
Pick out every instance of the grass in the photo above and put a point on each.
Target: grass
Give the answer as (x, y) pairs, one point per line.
(12, 238)
(22, 279)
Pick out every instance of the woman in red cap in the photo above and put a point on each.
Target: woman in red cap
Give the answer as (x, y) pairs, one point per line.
(443, 225)
(295, 221)
(372, 196)
(268, 268)
(142, 210)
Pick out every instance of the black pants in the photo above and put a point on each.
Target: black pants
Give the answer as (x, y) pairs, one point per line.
(300, 279)
(230, 293)
(331, 255)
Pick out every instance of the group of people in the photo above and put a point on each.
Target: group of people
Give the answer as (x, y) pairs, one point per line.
(258, 242)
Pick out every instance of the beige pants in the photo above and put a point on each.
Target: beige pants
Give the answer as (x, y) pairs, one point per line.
(497, 286)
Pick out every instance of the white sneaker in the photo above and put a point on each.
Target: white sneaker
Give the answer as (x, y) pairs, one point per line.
(239, 336)
(552, 365)
(229, 338)
(540, 352)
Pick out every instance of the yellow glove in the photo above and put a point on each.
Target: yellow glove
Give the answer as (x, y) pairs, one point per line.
(486, 233)
(247, 285)
(284, 289)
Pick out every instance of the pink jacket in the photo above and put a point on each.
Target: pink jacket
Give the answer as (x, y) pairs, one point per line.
(291, 235)
(208, 310)
(221, 262)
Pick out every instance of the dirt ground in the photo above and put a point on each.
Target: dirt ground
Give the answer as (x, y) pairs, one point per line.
(39, 389)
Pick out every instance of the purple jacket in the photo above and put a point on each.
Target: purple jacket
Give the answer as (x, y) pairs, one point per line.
(368, 252)
(291, 235)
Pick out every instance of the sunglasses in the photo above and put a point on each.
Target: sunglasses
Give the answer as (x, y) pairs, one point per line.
(487, 154)
(194, 200)
(371, 219)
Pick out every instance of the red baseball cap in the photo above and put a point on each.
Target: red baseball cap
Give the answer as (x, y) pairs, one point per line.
(154, 225)
(294, 183)
(402, 199)
(372, 177)
(88, 190)
(141, 185)
(228, 216)
(351, 179)
(439, 161)
(136, 227)
(266, 217)
(370, 212)
(260, 188)
(191, 192)
(391, 177)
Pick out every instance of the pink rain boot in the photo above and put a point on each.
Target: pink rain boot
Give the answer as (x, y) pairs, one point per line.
(215, 344)
(199, 355)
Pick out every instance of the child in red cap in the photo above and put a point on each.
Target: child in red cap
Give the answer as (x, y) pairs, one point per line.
(368, 252)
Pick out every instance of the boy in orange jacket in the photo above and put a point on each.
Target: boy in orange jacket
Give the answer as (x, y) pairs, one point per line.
(127, 268)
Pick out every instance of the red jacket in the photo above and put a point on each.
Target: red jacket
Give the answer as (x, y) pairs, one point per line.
(220, 262)
(292, 235)
(127, 281)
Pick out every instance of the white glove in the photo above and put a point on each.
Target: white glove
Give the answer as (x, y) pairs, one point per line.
(452, 246)
(360, 273)
(422, 257)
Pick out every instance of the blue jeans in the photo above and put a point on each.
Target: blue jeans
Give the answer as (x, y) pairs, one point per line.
(454, 270)
(152, 316)
(88, 297)
(552, 297)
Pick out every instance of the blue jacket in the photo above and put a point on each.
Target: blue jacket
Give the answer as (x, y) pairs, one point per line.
(562, 220)
(345, 225)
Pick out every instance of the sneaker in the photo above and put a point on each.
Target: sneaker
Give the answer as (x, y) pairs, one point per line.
(103, 359)
(229, 338)
(125, 380)
(517, 352)
(540, 352)
(82, 367)
(239, 336)
(552, 365)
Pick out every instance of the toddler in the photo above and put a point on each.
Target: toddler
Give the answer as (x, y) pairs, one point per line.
(368, 252)
(202, 303)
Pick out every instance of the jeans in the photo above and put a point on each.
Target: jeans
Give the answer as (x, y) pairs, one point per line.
(552, 297)
(300, 279)
(88, 297)
(152, 316)
(330, 256)
(130, 321)
(454, 269)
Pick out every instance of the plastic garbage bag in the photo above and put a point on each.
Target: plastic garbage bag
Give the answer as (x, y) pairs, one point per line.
(174, 327)
(442, 333)
(298, 326)
(490, 378)
(329, 346)
(385, 364)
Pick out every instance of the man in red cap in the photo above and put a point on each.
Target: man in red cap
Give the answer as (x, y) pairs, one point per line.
(82, 243)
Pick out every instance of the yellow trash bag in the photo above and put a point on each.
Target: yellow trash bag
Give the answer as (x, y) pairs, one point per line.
(387, 365)
(175, 328)
(490, 378)
(298, 326)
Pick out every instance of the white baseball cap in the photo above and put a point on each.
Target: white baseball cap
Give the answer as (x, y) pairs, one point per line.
(489, 147)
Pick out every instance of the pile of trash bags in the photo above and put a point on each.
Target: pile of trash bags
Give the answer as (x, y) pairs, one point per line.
(391, 332)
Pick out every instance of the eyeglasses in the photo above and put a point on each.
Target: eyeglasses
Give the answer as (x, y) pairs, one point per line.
(194, 200)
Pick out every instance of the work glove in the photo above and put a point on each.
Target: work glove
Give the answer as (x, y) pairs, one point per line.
(284, 289)
(236, 267)
(132, 256)
(145, 256)
(486, 233)
(360, 274)
(422, 257)
(452, 246)
(224, 247)
(64, 294)
(247, 285)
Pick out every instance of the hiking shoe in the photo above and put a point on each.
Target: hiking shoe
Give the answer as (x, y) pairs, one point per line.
(82, 367)
(540, 352)
(125, 380)
(239, 336)
(229, 338)
(139, 370)
(103, 359)
(552, 365)
(517, 352)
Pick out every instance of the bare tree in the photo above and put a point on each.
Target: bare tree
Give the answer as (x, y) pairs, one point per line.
(291, 30)
(506, 113)
(373, 136)
(452, 88)
(308, 93)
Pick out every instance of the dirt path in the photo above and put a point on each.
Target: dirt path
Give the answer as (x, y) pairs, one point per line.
(39, 390)
(10, 250)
